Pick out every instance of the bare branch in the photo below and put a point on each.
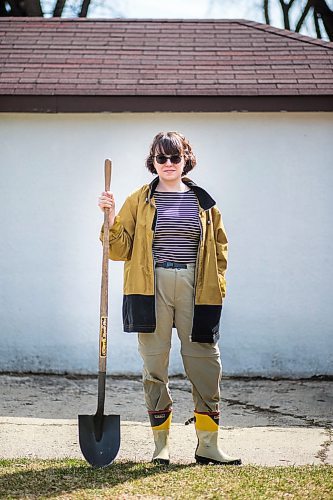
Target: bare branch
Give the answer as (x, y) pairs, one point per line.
(84, 8)
(285, 12)
(326, 14)
(303, 16)
(316, 23)
(266, 11)
(59, 7)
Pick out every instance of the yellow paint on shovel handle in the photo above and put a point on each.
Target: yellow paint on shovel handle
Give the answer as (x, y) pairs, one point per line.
(103, 336)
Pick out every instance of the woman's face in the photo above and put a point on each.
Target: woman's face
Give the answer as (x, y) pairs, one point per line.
(169, 167)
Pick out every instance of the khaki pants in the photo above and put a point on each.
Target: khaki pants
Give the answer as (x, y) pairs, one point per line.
(174, 304)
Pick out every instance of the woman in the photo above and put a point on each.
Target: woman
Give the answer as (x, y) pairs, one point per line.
(171, 236)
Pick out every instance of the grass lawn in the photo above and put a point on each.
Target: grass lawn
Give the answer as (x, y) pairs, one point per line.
(74, 479)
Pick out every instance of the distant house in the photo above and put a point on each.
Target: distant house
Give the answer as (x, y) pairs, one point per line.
(256, 103)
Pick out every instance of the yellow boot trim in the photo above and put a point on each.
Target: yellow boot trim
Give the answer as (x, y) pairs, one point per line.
(165, 426)
(205, 422)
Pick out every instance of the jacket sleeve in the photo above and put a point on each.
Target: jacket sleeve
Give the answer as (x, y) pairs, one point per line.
(122, 232)
(221, 244)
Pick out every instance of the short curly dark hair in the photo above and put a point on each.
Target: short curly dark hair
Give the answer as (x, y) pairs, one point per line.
(171, 143)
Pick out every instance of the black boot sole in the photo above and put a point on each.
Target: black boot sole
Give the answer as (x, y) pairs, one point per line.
(206, 461)
(161, 461)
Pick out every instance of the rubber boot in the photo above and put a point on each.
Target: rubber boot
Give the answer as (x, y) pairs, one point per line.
(208, 451)
(160, 422)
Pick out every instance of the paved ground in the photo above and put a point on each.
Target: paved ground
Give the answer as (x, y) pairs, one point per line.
(265, 422)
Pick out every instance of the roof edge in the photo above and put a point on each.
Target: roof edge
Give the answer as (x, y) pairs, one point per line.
(163, 104)
(286, 33)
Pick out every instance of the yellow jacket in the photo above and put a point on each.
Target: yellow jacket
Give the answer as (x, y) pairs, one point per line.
(131, 240)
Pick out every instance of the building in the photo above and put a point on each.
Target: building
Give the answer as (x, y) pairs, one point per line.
(256, 103)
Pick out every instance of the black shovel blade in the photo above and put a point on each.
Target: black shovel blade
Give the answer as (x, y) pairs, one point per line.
(101, 452)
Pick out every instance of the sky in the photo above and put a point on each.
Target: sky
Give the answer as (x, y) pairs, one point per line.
(186, 8)
(193, 9)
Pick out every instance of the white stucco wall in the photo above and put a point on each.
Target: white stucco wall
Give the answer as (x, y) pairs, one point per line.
(272, 177)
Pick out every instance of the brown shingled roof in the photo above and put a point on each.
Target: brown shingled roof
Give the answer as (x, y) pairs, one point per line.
(89, 57)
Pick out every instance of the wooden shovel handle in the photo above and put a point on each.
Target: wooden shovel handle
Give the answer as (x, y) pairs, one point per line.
(105, 278)
(107, 169)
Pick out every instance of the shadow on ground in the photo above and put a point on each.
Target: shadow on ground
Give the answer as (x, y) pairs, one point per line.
(52, 481)
(73, 479)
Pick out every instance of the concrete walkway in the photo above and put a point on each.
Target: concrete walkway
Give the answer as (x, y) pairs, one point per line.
(265, 422)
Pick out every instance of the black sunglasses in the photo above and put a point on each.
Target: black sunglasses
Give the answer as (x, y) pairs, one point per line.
(163, 158)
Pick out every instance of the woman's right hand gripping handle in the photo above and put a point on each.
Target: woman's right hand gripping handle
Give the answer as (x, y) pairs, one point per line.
(106, 200)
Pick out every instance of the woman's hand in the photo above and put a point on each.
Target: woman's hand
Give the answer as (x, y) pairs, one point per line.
(106, 200)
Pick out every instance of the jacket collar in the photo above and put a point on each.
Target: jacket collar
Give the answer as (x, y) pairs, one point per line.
(205, 200)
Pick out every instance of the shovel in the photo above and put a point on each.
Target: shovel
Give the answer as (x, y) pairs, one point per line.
(99, 434)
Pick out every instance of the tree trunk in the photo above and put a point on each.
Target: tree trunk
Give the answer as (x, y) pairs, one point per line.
(84, 8)
(316, 23)
(303, 16)
(266, 11)
(322, 10)
(285, 13)
(15, 8)
(59, 7)
(285, 10)
(33, 8)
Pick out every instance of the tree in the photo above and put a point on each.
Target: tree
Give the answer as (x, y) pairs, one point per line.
(295, 13)
(41, 8)
(318, 8)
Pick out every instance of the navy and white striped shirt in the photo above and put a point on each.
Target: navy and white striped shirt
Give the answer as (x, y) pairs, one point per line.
(177, 231)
